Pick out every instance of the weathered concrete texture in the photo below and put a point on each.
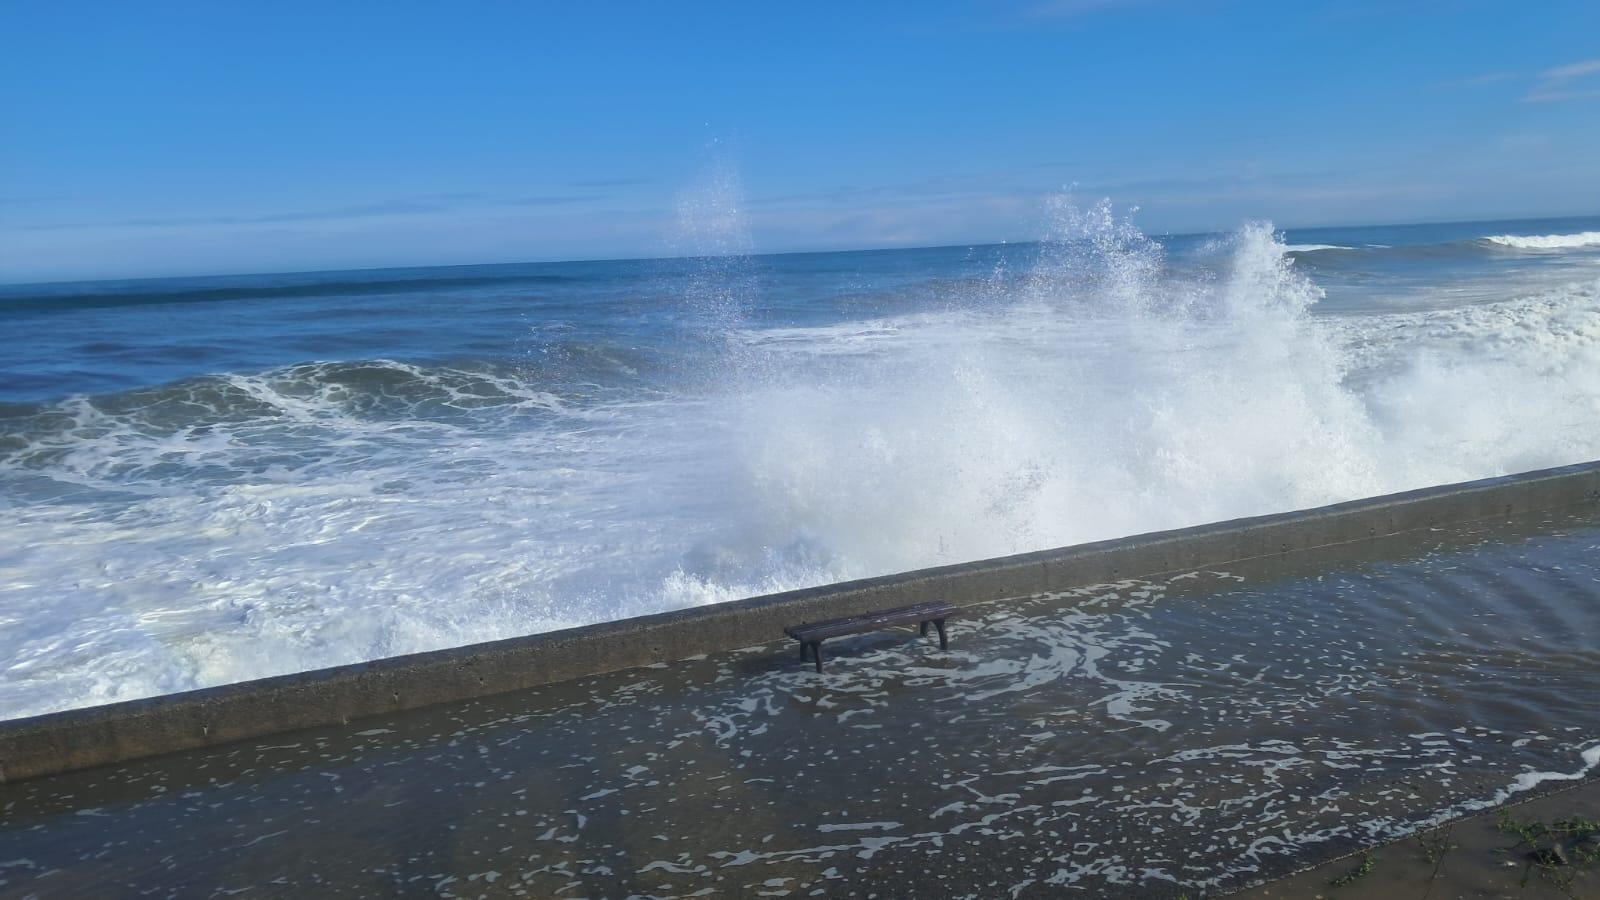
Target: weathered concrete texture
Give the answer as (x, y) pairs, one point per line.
(77, 739)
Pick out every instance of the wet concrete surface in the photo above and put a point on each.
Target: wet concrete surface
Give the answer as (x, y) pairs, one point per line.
(1192, 734)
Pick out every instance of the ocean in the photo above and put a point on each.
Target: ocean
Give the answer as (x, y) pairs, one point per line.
(207, 480)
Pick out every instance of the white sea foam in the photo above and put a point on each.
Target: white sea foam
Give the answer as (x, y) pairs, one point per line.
(1100, 397)
(1547, 241)
(1312, 248)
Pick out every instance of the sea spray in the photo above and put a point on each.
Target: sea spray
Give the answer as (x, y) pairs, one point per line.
(713, 241)
(1109, 398)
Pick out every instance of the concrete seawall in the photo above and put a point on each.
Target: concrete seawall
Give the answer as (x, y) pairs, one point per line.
(78, 739)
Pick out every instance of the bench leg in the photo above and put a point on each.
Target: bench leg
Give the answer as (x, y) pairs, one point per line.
(944, 639)
(816, 653)
(924, 627)
(803, 646)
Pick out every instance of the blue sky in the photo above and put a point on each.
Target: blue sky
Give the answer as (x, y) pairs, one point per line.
(189, 138)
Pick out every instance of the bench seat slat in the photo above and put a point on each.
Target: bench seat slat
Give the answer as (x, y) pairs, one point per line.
(920, 612)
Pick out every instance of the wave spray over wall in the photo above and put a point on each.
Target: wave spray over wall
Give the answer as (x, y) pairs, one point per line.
(241, 525)
(1101, 395)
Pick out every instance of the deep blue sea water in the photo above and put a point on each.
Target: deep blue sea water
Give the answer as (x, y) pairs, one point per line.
(108, 336)
(204, 480)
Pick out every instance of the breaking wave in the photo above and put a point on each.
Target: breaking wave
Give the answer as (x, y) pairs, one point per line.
(1547, 241)
(238, 526)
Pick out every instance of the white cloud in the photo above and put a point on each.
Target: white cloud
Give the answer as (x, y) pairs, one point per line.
(1571, 71)
(1572, 81)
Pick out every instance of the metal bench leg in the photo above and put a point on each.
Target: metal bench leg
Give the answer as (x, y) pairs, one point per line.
(924, 627)
(816, 653)
(803, 646)
(944, 639)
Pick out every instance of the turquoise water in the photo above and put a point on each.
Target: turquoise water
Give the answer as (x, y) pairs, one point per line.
(204, 480)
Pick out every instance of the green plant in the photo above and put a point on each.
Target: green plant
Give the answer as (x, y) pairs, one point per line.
(1359, 871)
(1559, 848)
(1434, 847)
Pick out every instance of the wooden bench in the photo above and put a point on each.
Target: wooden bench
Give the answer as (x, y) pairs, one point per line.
(812, 634)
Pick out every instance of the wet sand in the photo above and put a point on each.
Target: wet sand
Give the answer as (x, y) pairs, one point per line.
(1193, 734)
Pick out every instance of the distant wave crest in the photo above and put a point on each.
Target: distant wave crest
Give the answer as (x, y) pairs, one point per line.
(1546, 241)
(1312, 248)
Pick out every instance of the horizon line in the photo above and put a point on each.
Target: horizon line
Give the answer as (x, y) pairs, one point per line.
(810, 252)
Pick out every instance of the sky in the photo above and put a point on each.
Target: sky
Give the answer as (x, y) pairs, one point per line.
(172, 138)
